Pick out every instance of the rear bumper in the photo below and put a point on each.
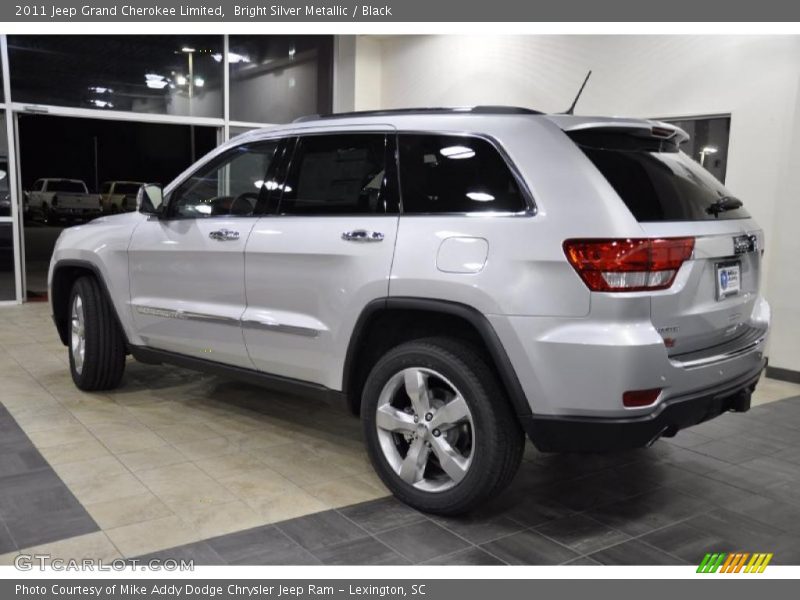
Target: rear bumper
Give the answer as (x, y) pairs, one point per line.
(593, 434)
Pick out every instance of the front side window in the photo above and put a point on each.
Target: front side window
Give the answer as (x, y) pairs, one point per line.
(228, 186)
(341, 174)
(455, 174)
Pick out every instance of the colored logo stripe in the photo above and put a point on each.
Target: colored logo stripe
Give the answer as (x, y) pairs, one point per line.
(735, 562)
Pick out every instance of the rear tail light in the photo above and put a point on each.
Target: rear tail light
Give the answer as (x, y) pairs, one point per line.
(628, 265)
(638, 398)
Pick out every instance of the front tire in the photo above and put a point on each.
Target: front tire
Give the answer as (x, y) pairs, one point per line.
(96, 343)
(439, 430)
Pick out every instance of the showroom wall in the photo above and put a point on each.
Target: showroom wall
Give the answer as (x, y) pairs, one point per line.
(755, 79)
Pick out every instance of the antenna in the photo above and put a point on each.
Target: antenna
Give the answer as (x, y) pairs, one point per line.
(571, 109)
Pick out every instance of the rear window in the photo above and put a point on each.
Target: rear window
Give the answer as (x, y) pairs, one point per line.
(455, 174)
(64, 185)
(655, 180)
(127, 188)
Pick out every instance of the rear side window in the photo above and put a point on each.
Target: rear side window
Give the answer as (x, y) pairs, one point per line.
(455, 174)
(338, 175)
(655, 180)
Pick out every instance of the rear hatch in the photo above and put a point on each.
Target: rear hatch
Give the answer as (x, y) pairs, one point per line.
(707, 308)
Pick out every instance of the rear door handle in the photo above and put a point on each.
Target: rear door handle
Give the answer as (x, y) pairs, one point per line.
(362, 235)
(224, 235)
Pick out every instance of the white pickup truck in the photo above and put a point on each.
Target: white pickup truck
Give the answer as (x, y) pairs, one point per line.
(52, 200)
(119, 196)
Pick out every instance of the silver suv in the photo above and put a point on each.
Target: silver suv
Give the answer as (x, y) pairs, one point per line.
(458, 277)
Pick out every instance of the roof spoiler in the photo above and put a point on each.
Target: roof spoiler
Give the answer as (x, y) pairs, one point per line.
(638, 127)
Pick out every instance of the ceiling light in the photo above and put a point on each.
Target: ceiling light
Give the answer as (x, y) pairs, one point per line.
(710, 150)
(97, 89)
(199, 81)
(187, 49)
(155, 81)
(233, 57)
(457, 152)
(480, 196)
(101, 103)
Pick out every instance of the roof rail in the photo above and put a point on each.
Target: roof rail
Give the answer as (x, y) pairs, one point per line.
(474, 110)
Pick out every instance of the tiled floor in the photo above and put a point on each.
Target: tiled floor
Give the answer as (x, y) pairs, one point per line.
(229, 473)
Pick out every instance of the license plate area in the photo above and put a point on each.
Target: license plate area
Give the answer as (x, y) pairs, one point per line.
(728, 278)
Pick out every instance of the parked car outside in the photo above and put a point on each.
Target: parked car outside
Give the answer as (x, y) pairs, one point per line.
(119, 196)
(52, 200)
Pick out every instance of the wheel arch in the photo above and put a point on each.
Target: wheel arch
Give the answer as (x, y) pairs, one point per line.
(385, 322)
(65, 273)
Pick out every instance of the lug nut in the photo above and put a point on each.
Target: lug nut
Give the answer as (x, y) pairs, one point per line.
(436, 433)
(428, 416)
(416, 419)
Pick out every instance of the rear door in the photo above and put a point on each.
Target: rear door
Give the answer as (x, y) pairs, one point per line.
(712, 299)
(324, 253)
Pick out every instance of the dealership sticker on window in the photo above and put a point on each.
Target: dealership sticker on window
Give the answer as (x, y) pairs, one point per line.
(728, 279)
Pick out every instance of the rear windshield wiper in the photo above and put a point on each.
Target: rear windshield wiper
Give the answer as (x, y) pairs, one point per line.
(724, 204)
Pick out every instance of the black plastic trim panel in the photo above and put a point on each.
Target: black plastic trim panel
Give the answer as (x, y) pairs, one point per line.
(593, 434)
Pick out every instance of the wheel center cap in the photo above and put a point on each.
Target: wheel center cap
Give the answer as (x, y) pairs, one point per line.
(422, 430)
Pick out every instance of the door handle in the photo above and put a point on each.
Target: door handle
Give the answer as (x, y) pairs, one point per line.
(362, 235)
(224, 235)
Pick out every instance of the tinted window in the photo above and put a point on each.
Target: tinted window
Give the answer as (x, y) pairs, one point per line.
(655, 180)
(455, 174)
(337, 175)
(64, 185)
(229, 185)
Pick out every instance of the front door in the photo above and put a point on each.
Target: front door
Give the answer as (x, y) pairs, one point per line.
(187, 268)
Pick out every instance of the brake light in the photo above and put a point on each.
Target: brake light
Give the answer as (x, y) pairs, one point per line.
(638, 398)
(628, 265)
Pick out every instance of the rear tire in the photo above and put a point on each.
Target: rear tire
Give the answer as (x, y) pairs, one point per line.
(96, 342)
(479, 440)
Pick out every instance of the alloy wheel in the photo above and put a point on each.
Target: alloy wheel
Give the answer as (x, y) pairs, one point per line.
(425, 429)
(78, 334)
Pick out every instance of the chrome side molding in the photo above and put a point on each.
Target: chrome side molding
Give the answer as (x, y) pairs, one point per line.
(168, 313)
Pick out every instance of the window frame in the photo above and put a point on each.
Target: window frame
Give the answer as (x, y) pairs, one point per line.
(218, 160)
(391, 177)
(530, 209)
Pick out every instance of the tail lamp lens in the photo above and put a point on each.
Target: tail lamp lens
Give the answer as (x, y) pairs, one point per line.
(628, 265)
(638, 398)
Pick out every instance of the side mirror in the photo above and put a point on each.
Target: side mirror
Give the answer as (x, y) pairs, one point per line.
(150, 199)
